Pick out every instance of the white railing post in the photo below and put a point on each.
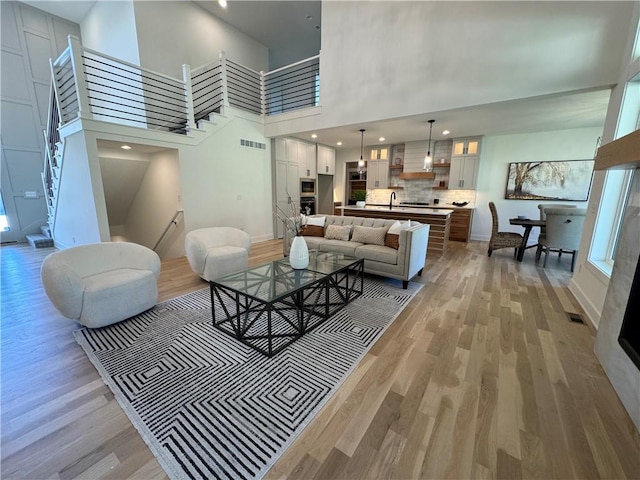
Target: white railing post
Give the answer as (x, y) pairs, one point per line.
(56, 97)
(84, 110)
(223, 78)
(188, 93)
(263, 94)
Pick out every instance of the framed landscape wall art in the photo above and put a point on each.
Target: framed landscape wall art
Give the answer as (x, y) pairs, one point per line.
(559, 180)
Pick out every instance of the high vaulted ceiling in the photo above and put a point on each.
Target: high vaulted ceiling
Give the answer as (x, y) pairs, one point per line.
(291, 30)
(285, 29)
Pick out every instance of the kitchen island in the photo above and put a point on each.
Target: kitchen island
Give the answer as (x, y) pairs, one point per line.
(438, 218)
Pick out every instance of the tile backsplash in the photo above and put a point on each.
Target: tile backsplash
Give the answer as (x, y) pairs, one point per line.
(420, 191)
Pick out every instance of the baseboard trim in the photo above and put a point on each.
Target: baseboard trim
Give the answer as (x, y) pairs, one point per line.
(589, 308)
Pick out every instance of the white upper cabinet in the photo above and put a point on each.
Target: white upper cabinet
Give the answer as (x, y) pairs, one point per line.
(377, 174)
(465, 156)
(307, 160)
(287, 149)
(379, 153)
(463, 173)
(292, 150)
(281, 149)
(326, 160)
(301, 153)
(466, 146)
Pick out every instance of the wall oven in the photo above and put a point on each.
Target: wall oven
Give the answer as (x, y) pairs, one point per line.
(307, 187)
(308, 205)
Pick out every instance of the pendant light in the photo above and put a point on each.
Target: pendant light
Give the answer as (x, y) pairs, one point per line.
(428, 160)
(361, 161)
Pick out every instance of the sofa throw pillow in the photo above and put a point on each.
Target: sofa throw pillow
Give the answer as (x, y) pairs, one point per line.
(392, 238)
(398, 226)
(369, 235)
(312, 231)
(337, 232)
(316, 221)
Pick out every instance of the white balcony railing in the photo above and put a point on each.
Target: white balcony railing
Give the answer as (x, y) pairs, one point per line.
(91, 84)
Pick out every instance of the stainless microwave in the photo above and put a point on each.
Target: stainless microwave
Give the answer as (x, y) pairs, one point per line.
(307, 187)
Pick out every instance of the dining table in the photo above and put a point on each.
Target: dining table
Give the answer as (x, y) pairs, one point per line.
(527, 224)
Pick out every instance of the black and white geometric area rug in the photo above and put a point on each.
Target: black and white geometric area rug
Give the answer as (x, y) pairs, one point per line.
(209, 406)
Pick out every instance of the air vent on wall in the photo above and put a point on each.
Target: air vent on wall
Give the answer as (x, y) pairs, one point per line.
(252, 144)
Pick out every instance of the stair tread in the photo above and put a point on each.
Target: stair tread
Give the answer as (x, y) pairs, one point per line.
(39, 240)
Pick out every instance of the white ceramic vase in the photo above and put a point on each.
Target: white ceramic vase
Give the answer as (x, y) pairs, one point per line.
(360, 204)
(299, 253)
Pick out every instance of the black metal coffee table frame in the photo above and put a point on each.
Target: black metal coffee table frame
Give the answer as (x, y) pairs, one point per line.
(270, 325)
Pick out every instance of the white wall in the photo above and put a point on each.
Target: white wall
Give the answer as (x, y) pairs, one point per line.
(155, 204)
(190, 35)
(81, 212)
(496, 154)
(394, 50)
(588, 284)
(29, 38)
(224, 184)
(110, 28)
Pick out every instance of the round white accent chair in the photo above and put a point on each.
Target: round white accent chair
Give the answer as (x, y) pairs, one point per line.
(102, 283)
(216, 251)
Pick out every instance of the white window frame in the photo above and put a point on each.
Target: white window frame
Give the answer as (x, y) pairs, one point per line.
(609, 219)
(617, 183)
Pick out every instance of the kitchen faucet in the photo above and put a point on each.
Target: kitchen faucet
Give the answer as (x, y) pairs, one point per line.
(391, 197)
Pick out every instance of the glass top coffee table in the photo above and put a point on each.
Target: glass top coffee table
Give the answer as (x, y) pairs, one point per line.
(269, 306)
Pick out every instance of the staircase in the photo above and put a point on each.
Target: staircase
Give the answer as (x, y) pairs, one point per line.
(94, 86)
(41, 240)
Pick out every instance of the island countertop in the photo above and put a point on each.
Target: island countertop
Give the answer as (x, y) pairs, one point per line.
(396, 209)
(439, 220)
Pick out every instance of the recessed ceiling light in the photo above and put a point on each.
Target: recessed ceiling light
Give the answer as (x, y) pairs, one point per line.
(317, 27)
(381, 139)
(125, 147)
(222, 3)
(313, 135)
(339, 143)
(309, 17)
(446, 132)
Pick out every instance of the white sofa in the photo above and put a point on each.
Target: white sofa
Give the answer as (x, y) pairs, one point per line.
(102, 283)
(402, 264)
(216, 251)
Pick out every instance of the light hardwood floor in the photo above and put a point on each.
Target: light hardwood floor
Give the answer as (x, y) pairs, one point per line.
(481, 376)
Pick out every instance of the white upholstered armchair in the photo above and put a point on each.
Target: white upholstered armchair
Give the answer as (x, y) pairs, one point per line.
(102, 283)
(216, 251)
(564, 230)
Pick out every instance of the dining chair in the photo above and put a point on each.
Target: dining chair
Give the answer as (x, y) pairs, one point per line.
(543, 229)
(564, 230)
(502, 239)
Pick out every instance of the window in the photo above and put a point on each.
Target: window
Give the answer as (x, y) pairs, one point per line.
(629, 120)
(617, 183)
(609, 220)
(4, 222)
(317, 90)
